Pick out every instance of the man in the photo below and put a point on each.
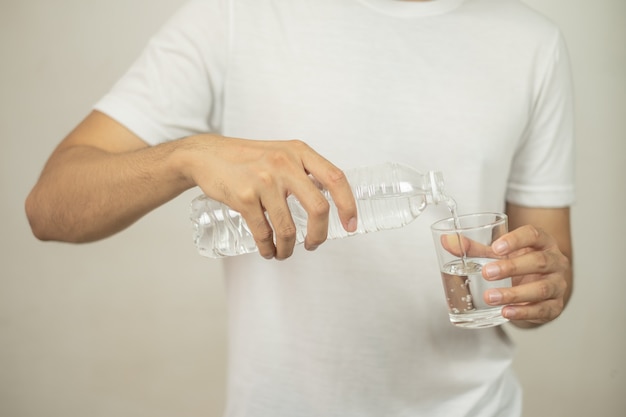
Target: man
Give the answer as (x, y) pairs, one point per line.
(477, 89)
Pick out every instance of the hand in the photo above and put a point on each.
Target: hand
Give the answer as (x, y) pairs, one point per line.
(254, 177)
(540, 274)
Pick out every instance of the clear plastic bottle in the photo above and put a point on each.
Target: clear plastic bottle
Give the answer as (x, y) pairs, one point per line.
(388, 196)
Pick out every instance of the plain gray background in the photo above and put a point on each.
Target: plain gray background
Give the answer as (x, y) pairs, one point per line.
(135, 325)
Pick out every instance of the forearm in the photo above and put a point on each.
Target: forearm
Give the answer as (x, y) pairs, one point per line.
(86, 193)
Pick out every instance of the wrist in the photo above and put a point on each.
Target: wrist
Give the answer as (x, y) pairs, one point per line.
(188, 157)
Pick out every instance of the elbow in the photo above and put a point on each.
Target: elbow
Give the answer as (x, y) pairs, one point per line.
(33, 213)
(41, 219)
(47, 223)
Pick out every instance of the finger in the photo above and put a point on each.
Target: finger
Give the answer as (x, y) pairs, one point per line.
(317, 208)
(536, 291)
(537, 313)
(317, 225)
(453, 244)
(522, 237)
(283, 225)
(313, 202)
(334, 180)
(533, 262)
(460, 245)
(261, 231)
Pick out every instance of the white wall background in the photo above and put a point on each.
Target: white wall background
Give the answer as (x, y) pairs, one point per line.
(135, 325)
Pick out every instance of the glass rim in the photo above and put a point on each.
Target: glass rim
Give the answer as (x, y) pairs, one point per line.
(498, 218)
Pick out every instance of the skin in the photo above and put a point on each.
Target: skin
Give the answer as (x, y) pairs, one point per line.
(539, 251)
(102, 178)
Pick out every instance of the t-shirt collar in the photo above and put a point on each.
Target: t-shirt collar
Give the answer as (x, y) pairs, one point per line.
(404, 8)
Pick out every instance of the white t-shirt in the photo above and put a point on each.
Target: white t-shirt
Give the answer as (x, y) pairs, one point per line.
(477, 89)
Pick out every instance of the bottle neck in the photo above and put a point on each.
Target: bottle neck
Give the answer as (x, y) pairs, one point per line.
(434, 185)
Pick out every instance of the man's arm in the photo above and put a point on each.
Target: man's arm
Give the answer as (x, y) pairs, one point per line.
(99, 180)
(539, 250)
(102, 178)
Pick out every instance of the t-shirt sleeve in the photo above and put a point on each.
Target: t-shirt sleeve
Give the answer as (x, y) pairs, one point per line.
(542, 173)
(174, 88)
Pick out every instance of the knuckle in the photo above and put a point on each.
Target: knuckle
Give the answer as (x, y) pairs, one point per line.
(265, 179)
(561, 287)
(264, 233)
(320, 207)
(544, 290)
(534, 231)
(550, 312)
(265, 242)
(509, 268)
(286, 232)
(298, 143)
(543, 311)
(563, 262)
(511, 297)
(278, 159)
(542, 261)
(336, 175)
(247, 196)
(284, 228)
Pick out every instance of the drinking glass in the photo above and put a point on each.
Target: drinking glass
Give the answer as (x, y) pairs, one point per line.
(463, 247)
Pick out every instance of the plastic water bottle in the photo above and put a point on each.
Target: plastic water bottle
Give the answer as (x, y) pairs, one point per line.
(388, 196)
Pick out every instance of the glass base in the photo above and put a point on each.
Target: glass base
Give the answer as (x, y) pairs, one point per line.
(479, 319)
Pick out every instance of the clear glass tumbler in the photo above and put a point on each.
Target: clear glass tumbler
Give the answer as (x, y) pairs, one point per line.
(463, 247)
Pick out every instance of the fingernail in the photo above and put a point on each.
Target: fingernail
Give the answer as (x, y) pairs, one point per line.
(312, 247)
(492, 270)
(352, 224)
(494, 297)
(500, 246)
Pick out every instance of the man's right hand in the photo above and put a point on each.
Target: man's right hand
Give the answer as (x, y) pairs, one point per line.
(253, 177)
(102, 178)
